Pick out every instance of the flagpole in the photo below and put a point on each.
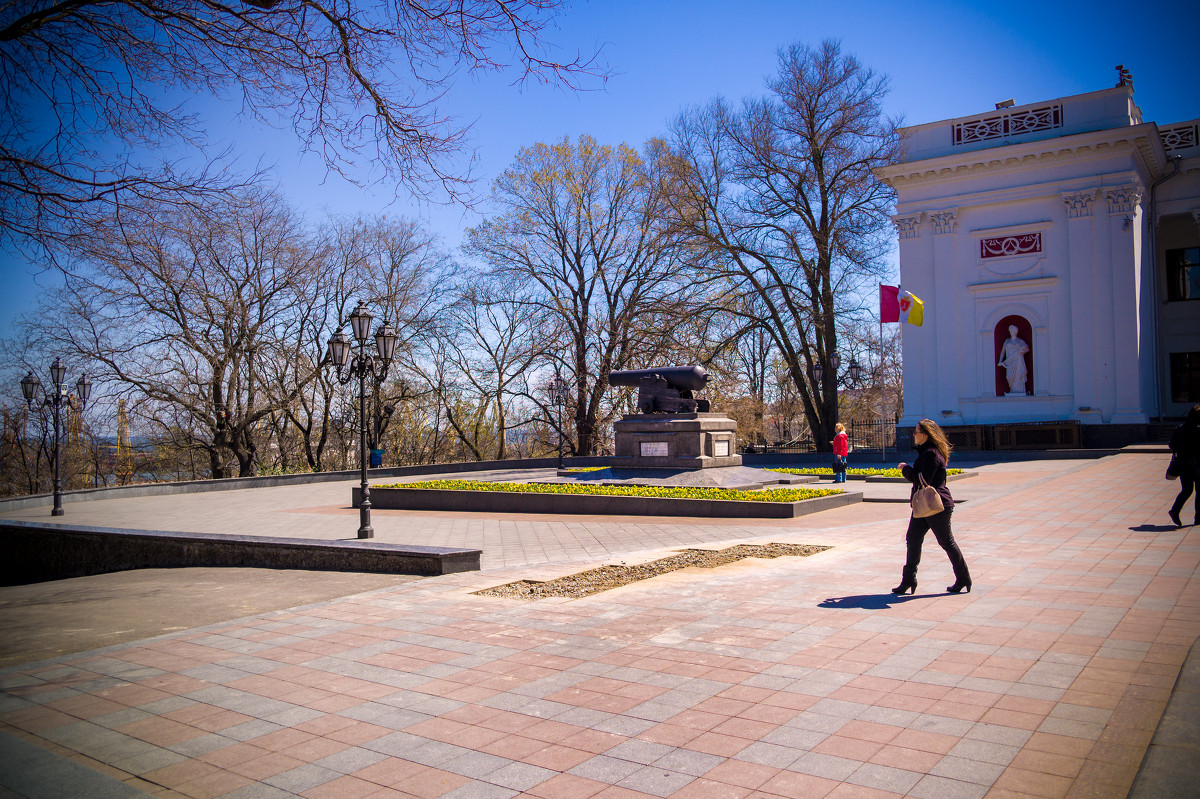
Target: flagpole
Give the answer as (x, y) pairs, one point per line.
(882, 395)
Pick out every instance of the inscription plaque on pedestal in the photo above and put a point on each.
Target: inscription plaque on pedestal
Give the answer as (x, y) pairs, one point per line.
(654, 449)
(720, 449)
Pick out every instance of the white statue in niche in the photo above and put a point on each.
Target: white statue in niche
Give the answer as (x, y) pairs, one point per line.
(1012, 358)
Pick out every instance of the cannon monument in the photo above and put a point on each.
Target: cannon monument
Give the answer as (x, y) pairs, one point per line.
(674, 429)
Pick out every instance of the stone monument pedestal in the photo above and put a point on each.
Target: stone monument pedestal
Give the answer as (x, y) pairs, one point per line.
(675, 441)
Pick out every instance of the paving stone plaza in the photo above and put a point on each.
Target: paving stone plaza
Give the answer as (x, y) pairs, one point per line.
(790, 677)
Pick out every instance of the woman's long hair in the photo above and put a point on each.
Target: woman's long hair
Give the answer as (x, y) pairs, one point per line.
(937, 437)
(1193, 417)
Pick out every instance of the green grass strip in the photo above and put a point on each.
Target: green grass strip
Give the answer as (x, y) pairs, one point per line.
(767, 495)
(819, 471)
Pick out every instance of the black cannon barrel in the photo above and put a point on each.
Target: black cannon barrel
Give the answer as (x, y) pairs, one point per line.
(683, 378)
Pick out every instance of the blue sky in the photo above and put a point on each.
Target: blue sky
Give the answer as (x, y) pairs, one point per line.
(944, 59)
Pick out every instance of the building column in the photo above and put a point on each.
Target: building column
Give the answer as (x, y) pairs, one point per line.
(948, 347)
(1080, 331)
(1128, 379)
(913, 354)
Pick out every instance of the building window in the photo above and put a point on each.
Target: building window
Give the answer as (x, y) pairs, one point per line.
(1185, 377)
(1183, 274)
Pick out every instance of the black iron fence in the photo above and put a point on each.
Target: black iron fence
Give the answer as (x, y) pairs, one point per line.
(865, 434)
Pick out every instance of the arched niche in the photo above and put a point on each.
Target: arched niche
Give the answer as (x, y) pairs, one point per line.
(999, 335)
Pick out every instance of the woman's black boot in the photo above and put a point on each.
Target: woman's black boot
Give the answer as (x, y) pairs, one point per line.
(908, 582)
(959, 587)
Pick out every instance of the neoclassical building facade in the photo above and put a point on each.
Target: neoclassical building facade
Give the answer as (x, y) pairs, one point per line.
(1073, 226)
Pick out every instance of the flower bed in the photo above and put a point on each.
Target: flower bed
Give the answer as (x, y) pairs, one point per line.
(853, 472)
(601, 500)
(673, 492)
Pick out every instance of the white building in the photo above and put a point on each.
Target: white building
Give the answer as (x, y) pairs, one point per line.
(1076, 222)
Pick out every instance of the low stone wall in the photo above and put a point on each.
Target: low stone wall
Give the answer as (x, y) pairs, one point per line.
(238, 483)
(596, 504)
(36, 552)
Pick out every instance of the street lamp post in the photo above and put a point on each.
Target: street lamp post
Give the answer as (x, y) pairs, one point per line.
(31, 386)
(558, 389)
(853, 372)
(362, 364)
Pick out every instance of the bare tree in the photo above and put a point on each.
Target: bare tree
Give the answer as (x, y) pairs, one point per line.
(491, 344)
(580, 242)
(781, 195)
(84, 84)
(182, 307)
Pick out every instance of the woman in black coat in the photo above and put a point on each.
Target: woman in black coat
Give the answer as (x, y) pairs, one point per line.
(933, 453)
(1185, 443)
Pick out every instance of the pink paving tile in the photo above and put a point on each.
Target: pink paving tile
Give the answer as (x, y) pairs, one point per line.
(595, 741)
(793, 784)
(909, 759)
(261, 768)
(708, 789)
(346, 787)
(557, 758)
(849, 748)
(670, 734)
(925, 741)
(221, 720)
(214, 785)
(697, 719)
(1033, 783)
(179, 773)
(437, 729)
(849, 791)
(869, 731)
(567, 786)
(745, 728)
(504, 721)
(391, 772)
(282, 739)
(513, 747)
(617, 792)
(1048, 763)
(791, 700)
(741, 773)
(315, 749)
(767, 713)
(233, 754)
(1013, 718)
(713, 743)
(431, 783)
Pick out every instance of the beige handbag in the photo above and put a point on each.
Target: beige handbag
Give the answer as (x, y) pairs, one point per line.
(927, 501)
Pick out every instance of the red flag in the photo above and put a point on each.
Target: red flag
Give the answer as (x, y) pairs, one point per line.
(889, 303)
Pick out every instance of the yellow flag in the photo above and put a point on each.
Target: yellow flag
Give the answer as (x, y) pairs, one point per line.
(912, 310)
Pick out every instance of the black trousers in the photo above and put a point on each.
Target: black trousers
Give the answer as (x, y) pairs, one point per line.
(1187, 483)
(940, 525)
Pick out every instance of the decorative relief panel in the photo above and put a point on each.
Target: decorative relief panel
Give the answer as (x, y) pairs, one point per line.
(1124, 199)
(1005, 246)
(909, 227)
(1179, 137)
(1003, 125)
(943, 221)
(1079, 203)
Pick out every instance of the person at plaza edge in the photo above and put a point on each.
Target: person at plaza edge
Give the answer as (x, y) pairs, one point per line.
(933, 453)
(1185, 444)
(841, 448)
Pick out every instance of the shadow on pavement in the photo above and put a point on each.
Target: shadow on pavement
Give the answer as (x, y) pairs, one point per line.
(871, 601)
(1154, 528)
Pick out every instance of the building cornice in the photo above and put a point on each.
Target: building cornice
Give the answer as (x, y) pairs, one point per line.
(1095, 183)
(1140, 139)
